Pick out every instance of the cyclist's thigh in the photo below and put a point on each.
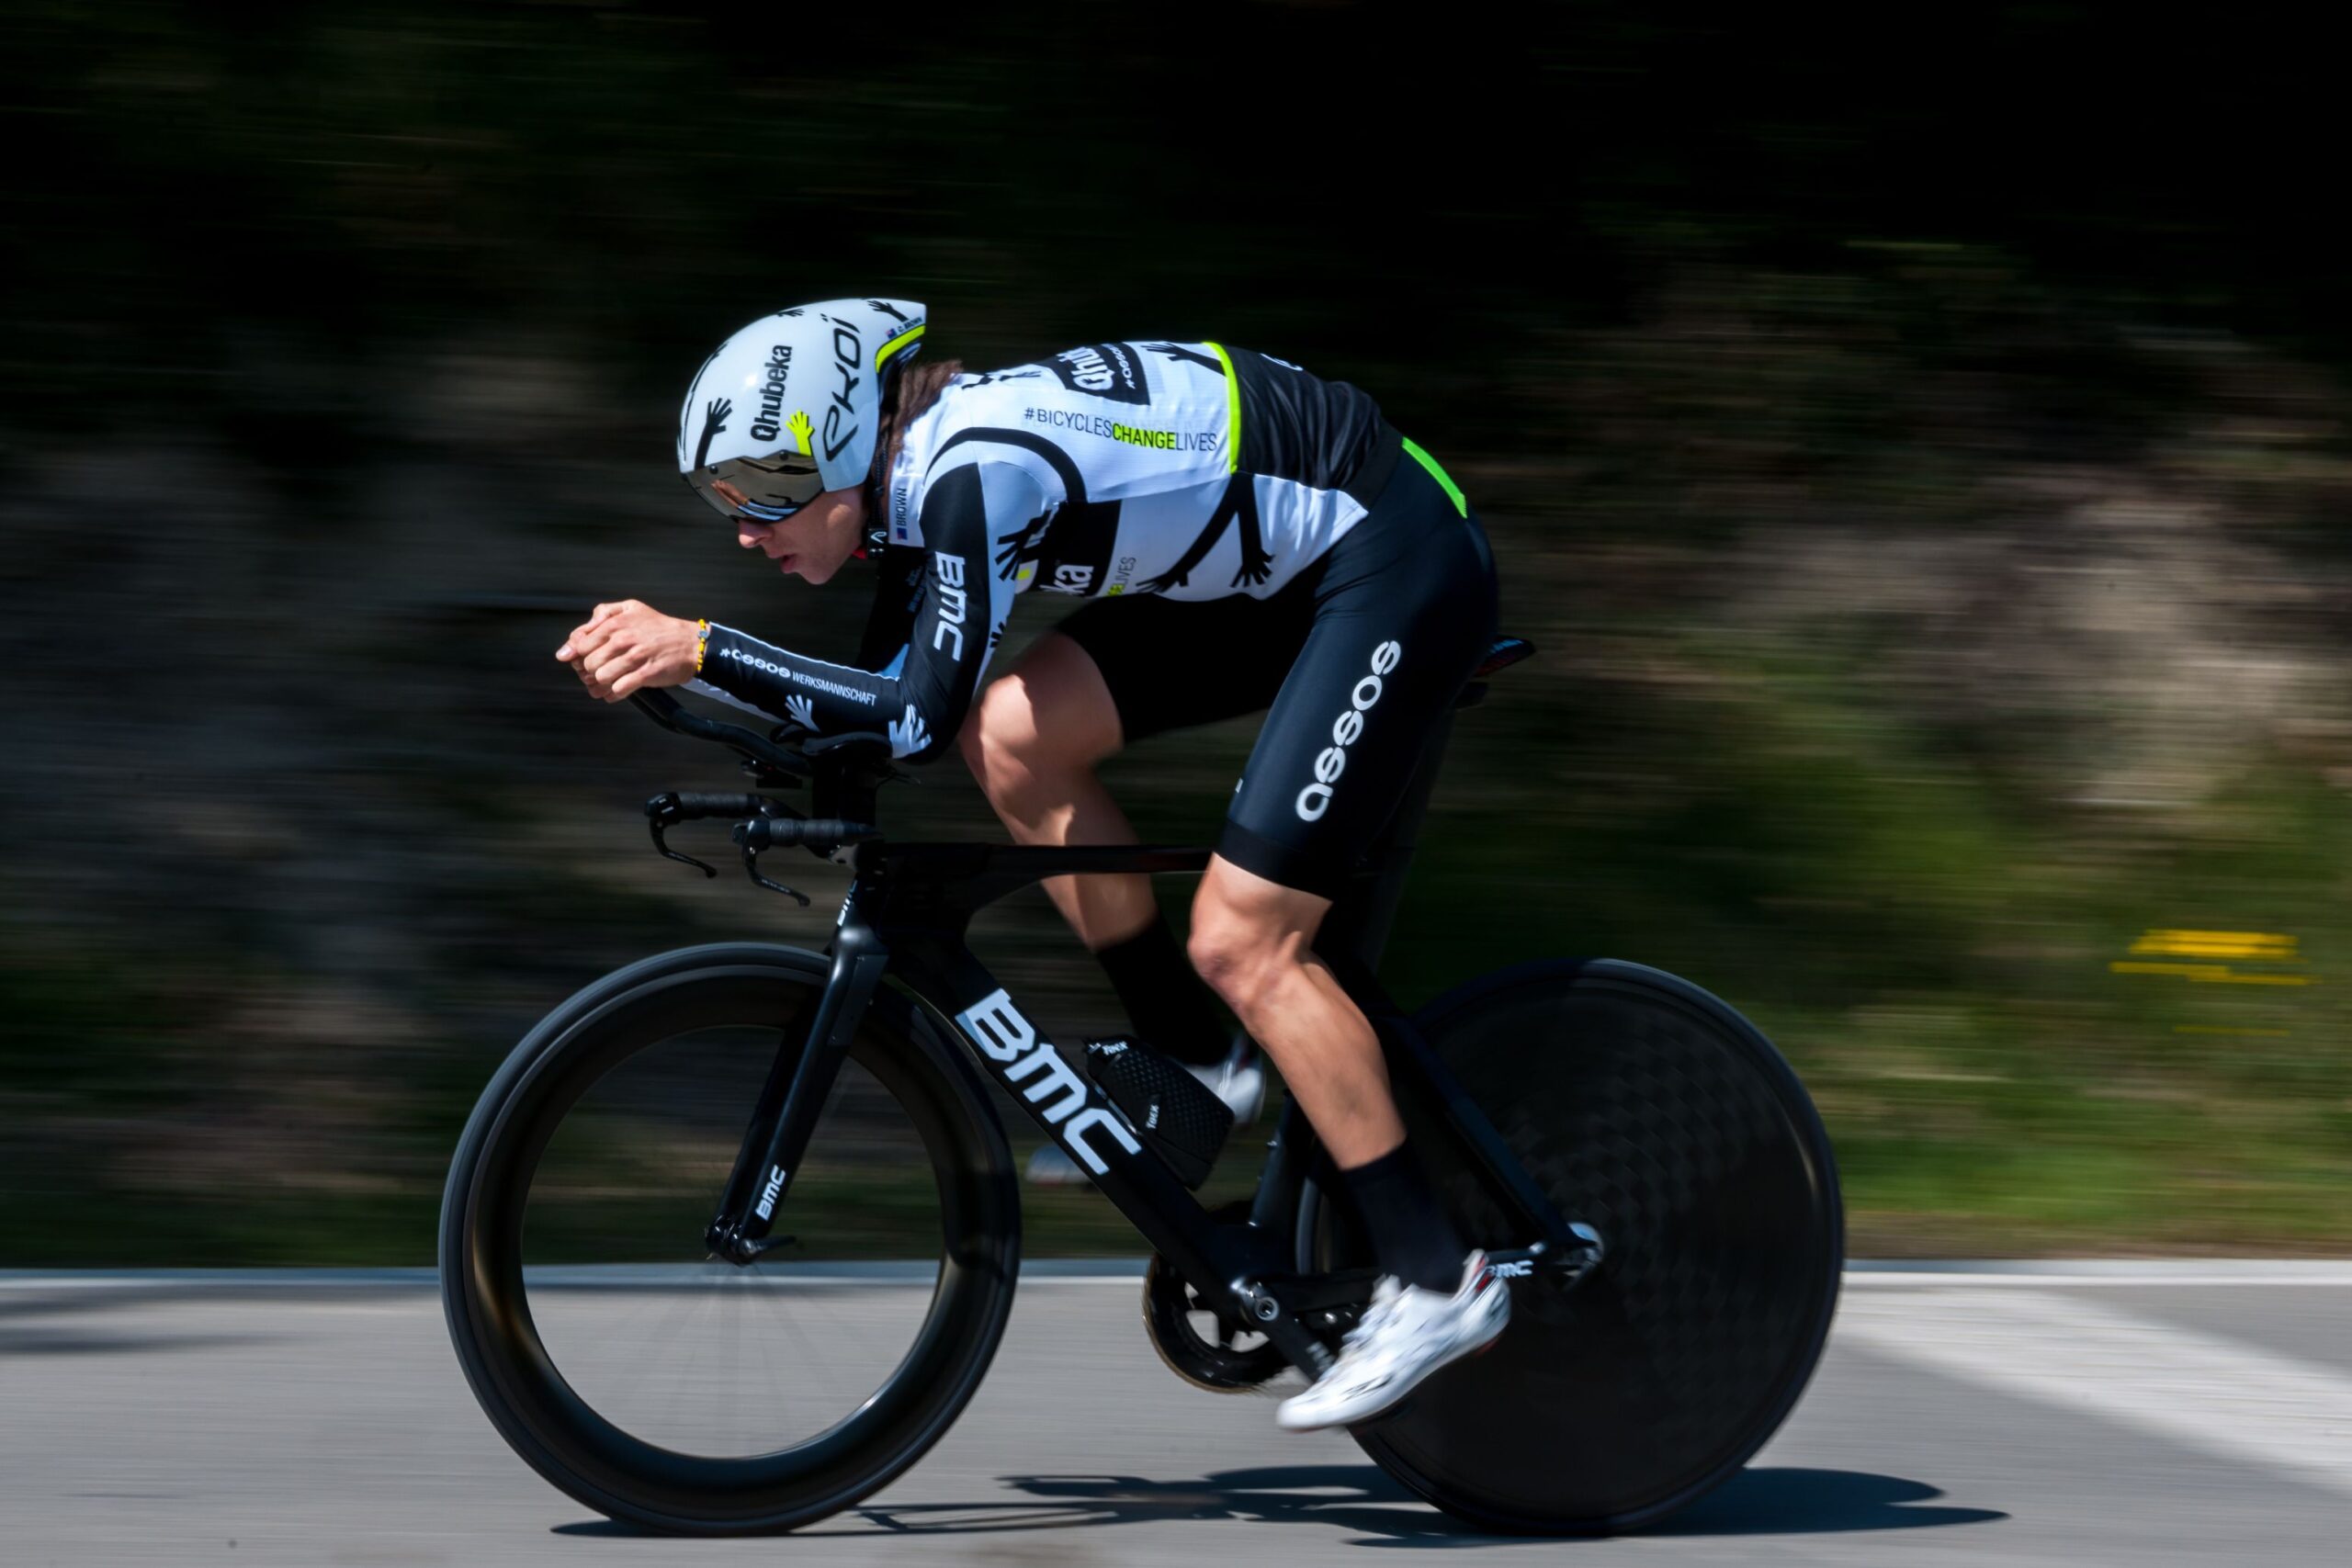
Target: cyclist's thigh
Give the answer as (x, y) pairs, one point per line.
(1172, 664)
(1405, 610)
(1051, 703)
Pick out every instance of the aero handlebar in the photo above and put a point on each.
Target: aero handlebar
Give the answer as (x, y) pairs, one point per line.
(675, 717)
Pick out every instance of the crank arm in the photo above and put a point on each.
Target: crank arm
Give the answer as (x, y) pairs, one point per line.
(1563, 1267)
(1334, 1300)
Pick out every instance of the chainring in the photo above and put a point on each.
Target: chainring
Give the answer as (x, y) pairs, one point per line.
(1200, 1346)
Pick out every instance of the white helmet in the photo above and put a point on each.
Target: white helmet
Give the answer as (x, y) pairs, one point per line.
(786, 409)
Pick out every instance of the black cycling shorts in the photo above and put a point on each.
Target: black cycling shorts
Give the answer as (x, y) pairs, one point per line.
(1356, 661)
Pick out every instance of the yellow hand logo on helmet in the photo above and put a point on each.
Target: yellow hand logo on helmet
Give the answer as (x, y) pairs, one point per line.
(801, 430)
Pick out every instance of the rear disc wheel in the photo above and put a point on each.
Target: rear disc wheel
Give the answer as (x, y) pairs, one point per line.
(1649, 1109)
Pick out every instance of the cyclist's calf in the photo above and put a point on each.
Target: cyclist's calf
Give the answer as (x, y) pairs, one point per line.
(1249, 942)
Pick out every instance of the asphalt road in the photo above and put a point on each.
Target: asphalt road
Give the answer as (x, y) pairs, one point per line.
(2191, 1416)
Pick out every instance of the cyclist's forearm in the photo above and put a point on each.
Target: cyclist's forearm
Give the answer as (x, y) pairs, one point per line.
(919, 704)
(811, 692)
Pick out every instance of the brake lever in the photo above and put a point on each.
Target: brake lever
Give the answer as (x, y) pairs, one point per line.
(660, 812)
(751, 868)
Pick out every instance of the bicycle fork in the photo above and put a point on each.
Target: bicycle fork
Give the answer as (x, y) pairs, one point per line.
(798, 1084)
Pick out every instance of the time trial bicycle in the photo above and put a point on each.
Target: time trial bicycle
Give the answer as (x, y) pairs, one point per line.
(731, 1236)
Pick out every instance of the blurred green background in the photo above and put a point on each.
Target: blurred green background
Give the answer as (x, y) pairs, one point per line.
(1917, 445)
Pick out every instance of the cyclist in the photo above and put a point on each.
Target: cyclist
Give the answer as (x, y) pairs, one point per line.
(1250, 536)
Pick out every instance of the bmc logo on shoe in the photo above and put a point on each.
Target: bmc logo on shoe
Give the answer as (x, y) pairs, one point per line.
(1332, 761)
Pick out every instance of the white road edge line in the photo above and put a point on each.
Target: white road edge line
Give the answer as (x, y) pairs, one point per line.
(2203, 1392)
(1877, 1278)
(2001, 1274)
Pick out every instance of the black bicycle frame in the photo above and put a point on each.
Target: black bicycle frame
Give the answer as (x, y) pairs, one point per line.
(907, 912)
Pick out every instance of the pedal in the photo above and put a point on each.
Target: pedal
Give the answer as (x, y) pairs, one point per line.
(1178, 1116)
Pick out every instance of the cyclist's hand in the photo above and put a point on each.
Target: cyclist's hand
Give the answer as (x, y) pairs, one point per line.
(630, 646)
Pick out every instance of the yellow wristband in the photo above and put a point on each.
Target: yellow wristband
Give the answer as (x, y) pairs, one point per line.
(702, 643)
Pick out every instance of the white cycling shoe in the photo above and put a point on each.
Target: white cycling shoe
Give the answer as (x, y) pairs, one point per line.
(1239, 1080)
(1407, 1334)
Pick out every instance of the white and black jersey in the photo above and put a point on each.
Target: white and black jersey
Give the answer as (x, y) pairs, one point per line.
(1187, 470)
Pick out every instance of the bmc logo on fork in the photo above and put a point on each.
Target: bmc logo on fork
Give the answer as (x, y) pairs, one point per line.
(1007, 1038)
(766, 1210)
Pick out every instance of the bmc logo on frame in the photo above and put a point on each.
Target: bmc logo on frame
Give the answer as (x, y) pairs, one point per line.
(1332, 761)
(1009, 1039)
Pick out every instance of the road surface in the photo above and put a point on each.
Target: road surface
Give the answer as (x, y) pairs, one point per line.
(2191, 1413)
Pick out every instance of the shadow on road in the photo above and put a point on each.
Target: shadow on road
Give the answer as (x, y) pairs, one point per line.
(1817, 1502)
(65, 1342)
(1359, 1497)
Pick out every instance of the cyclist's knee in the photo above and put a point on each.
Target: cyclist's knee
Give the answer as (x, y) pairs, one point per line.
(1240, 954)
(1221, 954)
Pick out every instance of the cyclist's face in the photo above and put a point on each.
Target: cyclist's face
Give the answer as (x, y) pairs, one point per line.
(814, 541)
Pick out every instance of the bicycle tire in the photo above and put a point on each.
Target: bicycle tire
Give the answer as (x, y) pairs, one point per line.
(1657, 1113)
(487, 1303)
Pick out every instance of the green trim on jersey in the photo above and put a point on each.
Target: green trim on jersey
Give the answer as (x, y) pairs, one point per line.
(1232, 408)
(1425, 460)
(896, 343)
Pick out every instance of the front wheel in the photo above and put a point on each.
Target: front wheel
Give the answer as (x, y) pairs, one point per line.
(1650, 1109)
(685, 1394)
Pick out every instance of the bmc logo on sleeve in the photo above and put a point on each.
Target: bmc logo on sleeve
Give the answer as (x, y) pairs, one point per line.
(1332, 761)
(953, 604)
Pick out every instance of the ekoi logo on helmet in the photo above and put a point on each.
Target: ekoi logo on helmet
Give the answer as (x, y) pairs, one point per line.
(849, 356)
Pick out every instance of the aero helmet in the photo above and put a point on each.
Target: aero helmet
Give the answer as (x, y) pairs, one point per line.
(786, 409)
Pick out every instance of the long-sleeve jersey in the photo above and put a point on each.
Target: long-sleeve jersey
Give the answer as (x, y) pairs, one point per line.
(1189, 469)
